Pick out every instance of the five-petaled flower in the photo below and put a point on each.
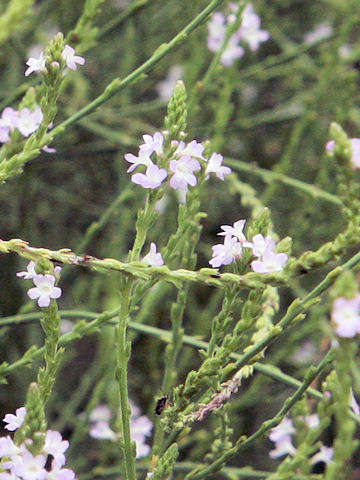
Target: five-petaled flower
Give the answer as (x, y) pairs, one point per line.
(153, 177)
(44, 289)
(70, 58)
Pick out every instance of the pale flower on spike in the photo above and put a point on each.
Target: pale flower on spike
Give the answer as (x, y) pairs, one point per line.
(270, 262)
(215, 166)
(153, 177)
(236, 230)
(260, 243)
(152, 144)
(30, 271)
(142, 159)
(15, 421)
(226, 253)
(71, 59)
(183, 171)
(35, 64)
(44, 290)
(345, 316)
(28, 121)
(153, 258)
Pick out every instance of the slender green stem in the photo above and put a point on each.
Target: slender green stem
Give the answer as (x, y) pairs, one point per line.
(269, 176)
(138, 74)
(123, 355)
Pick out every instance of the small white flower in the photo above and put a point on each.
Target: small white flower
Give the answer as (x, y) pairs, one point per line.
(226, 253)
(152, 144)
(153, 258)
(235, 231)
(28, 121)
(260, 243)
(270, 262)
(215, 166)
(15, 421)
(44, 290)
(283, 447)
(35, 64)
(70, 58)
(30, 272)
(345, 316)
(283, 430)
(324, 455)
(102, 431)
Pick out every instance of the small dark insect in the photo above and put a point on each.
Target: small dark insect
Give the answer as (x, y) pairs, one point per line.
(161, 404)
(48, 463)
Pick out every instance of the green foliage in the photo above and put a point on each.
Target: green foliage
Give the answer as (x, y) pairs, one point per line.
(229, 352)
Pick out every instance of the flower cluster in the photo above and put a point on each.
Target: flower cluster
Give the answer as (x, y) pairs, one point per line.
(39, 64)
(281, 435)
(140, 427)
(26, 121)
(268, 261)
(45, 288)
(355, 151)
(18, 462)
(345, 316)
(186, 160)
(249, 32)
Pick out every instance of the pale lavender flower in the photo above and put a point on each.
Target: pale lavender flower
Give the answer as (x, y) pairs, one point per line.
(30, 272)
(345, 316)
(15, 421)
(183, 170)
(140, 429)
(30, 467)
(226, 253)
(232, 52)
(192, 149)
(216, 31)
(9, 117)
(166, 87)
(4, 132)
(321, 32)
(100, 413)
(215, 166)
(70, 58)
(236, 230)
(35, 64)
(101, 430)
(324, 455)
(270, 262)
(250, 31)
(8, 447)
(28, 121)
(153, 177)
(283, 447)
(58, 473)
(153, 258)
(260, 243)
(44, 290)
(152, 144)
(55, 446)
(142, 159)
(283, 430)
